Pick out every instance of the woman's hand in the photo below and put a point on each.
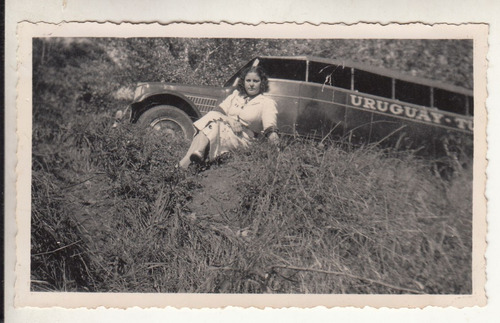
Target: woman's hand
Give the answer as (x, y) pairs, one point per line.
(235, 125)
(274, 138)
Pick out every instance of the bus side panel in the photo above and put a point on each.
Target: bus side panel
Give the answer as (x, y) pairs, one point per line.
(400, 133)
(452, 143)
(284, 93)
(321, 111)
(358, 125)
(427, 139)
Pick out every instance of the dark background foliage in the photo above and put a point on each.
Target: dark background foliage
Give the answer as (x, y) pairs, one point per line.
(97, 67)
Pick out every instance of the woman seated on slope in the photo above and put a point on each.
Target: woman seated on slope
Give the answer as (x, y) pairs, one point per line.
(242, 116)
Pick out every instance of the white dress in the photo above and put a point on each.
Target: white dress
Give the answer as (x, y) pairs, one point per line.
(255, 115)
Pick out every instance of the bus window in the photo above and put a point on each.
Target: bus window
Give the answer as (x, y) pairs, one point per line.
(288, 69)
(449, 101)
(413, 93)
(328, 74)
(371, 83)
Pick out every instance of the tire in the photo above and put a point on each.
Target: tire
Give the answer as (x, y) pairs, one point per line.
(169, 120)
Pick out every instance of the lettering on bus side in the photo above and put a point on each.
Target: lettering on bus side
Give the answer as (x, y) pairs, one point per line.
(413, 113)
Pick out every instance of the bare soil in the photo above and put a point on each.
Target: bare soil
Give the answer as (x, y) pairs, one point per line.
(218, 192)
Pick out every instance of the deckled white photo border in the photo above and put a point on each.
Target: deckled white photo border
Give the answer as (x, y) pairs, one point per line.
(26, 31)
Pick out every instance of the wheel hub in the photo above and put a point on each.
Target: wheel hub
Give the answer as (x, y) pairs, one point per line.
(168, 127)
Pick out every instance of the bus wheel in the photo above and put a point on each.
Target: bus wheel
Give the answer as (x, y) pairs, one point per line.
(168, 120)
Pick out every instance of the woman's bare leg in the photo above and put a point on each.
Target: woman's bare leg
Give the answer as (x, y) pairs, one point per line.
(198, 146)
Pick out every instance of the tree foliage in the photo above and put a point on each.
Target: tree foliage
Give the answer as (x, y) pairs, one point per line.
(125, 61)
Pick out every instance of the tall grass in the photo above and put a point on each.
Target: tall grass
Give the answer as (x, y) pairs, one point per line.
(111, 213)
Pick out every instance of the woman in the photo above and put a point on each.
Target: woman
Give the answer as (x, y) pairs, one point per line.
(237, 121)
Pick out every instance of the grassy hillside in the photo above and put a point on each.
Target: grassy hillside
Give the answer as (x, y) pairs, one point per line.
(110, 212)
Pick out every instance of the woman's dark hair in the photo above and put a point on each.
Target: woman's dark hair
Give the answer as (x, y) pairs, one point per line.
(264, 84)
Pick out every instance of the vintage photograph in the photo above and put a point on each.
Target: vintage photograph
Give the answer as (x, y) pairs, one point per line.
(252, 165)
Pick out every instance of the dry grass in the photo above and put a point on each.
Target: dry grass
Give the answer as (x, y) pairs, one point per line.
(110, 213)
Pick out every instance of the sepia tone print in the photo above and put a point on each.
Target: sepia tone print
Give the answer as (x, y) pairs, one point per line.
(369, 190)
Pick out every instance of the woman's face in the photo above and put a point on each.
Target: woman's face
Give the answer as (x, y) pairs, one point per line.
(252, 84)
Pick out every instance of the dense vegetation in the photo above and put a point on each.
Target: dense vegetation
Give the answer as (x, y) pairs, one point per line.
(111, 213)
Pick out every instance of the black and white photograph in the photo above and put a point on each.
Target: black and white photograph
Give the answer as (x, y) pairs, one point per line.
(251, 171)
(222, 161)
(252, 165)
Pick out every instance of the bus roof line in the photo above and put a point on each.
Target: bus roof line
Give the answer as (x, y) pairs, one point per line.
(381, 71)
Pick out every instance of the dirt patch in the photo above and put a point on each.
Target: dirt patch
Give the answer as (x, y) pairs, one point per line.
(88, 205)
(218, 192)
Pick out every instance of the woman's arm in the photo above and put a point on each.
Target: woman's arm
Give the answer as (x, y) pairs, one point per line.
(225, 105)
(274, 138)
(220, 110)
(269, 121)
(271, 133)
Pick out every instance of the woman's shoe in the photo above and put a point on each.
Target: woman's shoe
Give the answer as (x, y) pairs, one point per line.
(183, 164)
(196, 157)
